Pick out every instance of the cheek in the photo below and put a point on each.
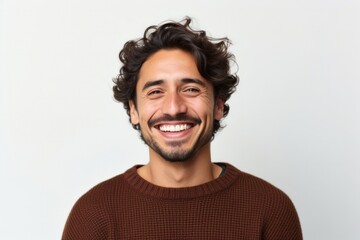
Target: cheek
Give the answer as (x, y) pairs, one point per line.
(147, 111)
(203, 107)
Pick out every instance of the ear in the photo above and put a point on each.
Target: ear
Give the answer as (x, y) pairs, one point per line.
(219, 109)
(134, 116)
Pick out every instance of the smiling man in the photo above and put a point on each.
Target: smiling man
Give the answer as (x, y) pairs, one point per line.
(174, 84)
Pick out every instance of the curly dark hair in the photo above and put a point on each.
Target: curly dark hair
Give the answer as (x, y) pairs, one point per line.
(211, 56)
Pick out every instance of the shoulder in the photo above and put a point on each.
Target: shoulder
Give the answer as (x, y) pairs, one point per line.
(105, 191)
(261, 191)
(252, 185)
(279, 216)
(104, 194)
(90, 216)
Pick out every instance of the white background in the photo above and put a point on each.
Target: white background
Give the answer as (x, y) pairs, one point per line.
(294, 120)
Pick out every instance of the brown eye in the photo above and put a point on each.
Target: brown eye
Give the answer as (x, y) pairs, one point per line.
(192, 90)
(154, 92)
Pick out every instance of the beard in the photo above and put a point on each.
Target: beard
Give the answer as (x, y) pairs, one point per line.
(177, 152)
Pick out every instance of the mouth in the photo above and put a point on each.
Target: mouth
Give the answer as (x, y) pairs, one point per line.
(174, 127)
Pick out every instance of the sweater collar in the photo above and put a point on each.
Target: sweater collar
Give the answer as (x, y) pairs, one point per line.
(221, 183)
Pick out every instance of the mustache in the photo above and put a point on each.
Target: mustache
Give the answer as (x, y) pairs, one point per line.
(168, 118)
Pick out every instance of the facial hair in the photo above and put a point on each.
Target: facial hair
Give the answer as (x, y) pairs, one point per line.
(177, 153)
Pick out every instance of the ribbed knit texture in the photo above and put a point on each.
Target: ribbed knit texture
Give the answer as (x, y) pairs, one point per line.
(236, 205)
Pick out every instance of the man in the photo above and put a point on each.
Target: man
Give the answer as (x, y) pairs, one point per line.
(174, 84)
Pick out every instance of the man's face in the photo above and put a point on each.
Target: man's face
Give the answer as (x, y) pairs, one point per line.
(175, 105)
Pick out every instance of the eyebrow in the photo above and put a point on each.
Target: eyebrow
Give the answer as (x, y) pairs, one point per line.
(152, 83)
(193, 80)
(184, 80)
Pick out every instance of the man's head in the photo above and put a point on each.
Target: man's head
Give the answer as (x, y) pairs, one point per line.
(179, 75)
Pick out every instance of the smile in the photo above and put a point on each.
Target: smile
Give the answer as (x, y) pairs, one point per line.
(174, 128)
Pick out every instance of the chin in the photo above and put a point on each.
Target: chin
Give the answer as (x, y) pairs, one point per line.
(175, 156)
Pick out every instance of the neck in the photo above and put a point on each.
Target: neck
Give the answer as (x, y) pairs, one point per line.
(191, 172)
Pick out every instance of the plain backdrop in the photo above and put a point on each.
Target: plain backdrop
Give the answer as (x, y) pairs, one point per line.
(294, 120)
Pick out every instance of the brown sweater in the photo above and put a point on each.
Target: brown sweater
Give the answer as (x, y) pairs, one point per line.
(236, 205)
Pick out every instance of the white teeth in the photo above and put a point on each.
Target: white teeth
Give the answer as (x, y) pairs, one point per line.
(174, 128)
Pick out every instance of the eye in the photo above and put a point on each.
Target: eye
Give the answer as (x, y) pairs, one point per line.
(155, 94)
(191, 90)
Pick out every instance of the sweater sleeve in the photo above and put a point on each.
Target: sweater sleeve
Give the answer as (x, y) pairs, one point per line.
(86, 221)
(281, 220)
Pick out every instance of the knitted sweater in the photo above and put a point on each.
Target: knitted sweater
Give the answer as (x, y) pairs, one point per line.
(236, 205)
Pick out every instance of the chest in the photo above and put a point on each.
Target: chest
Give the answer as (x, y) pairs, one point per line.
(204, 218)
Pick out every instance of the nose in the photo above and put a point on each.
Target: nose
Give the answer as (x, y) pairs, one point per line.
(173, 104)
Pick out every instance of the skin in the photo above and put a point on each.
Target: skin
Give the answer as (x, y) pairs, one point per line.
(175, 109)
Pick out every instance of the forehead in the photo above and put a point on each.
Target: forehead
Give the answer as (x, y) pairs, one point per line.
(173, 64)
